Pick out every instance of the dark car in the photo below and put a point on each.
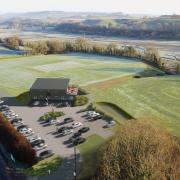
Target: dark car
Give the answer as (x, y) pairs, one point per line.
(21, 127)
(97, 117)
(45, 154)
(84, 129)
(74, 136)
(61, 129)
(15, 120)
(79, 140)
(37, 142)
(68, 120)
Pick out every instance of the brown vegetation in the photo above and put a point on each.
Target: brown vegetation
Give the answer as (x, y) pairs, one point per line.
(16, 143)
(140, 151)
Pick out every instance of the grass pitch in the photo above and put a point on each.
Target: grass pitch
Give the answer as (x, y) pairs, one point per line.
(18, 74)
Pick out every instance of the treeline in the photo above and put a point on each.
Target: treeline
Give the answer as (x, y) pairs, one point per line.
(149, 55)
(141, 32)
(12, 42)
(140, 150)
(16, 143)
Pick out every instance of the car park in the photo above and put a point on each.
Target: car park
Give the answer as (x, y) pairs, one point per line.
(45, 154)
(84, 130)
(79, 140)
(76, 124)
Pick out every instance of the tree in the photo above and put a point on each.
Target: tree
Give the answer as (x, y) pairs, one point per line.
(140, 150)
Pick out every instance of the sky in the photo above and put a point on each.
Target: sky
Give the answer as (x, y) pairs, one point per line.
(125, 6)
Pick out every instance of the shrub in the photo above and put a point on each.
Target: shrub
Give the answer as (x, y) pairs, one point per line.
(51, 115)
(140, 151)
(81, 100)
(16, 143)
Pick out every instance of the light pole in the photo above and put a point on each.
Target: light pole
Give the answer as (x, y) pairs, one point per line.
(74, 173)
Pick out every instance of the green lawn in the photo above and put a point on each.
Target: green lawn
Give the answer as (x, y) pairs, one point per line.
(155, 98)
(42, 167)
(89, 153)
(18, 74)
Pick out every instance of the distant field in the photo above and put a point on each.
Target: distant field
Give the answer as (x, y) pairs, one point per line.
(18, 74)
(155, 98)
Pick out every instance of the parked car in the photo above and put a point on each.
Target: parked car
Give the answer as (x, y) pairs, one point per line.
(74, 136)
(1, 102)
(62, 128)
(9, 112)
(110, 124)
(36, 103)
(90, 112)
(21, 127)
(79, 140)
(53, 121)
(76, 124)
(36, 142)
(68, 120)
(33, 139)
(39, 145)
(25, 130)
(84, 130)
(45, 154)
(11, 116)
(28, 133)
(96, 117)
(67, 132)
(4, 108)
(17, 122)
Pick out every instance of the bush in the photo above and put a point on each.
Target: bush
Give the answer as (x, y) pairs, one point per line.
(81, 100)
(16, 143)
(140, 151)
(51, 115)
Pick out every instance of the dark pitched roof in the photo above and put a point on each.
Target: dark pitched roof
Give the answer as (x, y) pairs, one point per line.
(50, 83)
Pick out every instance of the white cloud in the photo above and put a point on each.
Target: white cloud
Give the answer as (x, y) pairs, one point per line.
(127, 6)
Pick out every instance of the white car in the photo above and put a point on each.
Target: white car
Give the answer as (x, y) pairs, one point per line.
(10, 112)
(17, 123)
(94, 115)
(28, 133)
(67, 132)
(11, 116)
(34, 138)
(90, 112)
(1, 101)
(53, 121)
(40, 147)
(76, 124)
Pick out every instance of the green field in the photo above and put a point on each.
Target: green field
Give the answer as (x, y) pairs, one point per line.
(18, 74)
(154, 98)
